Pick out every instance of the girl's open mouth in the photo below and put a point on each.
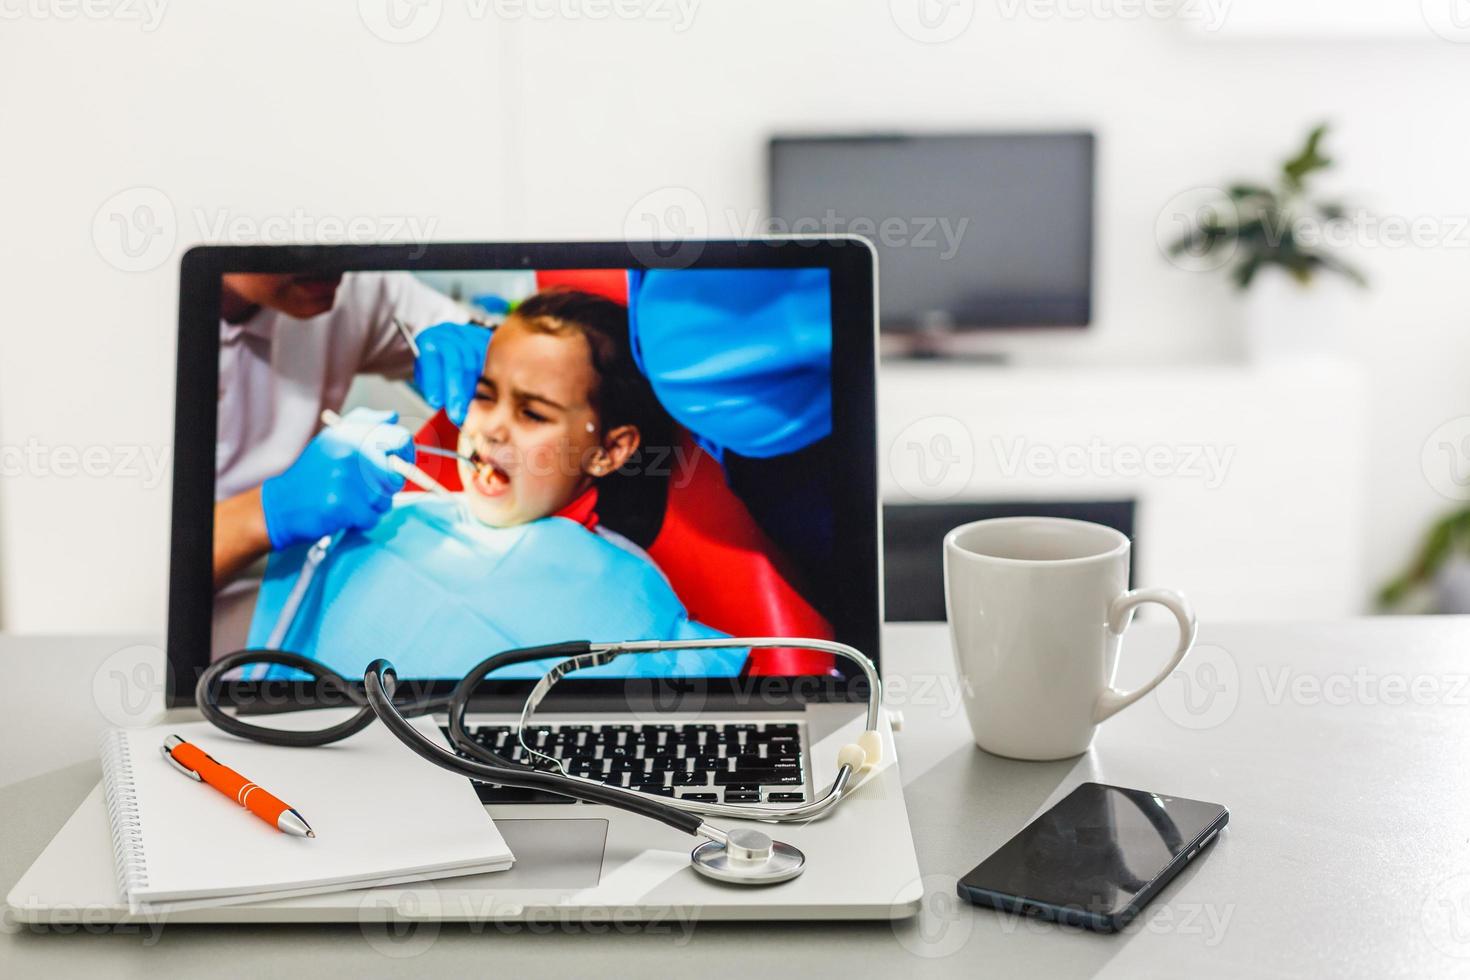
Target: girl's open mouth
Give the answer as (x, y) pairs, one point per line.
(490, 480)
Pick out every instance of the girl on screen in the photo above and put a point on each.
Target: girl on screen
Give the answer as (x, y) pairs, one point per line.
(560, 406)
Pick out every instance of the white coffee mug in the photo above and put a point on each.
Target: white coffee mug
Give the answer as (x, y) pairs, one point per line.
(1037, 609)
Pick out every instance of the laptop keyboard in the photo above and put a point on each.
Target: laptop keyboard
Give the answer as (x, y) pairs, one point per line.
(738, 762)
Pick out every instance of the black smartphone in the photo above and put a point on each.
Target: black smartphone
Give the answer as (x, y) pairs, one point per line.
(1096, 858)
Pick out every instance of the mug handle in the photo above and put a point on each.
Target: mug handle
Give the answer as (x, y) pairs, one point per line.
(1120, 615)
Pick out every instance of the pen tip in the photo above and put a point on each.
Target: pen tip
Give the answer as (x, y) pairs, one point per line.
(311, 833)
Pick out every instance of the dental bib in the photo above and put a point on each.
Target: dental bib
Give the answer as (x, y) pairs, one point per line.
(438, 594)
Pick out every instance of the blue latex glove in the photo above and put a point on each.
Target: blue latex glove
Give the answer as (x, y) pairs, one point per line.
(451, 357)
(340, 480)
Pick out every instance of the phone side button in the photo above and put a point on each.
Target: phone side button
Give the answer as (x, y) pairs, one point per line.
(1192, 852)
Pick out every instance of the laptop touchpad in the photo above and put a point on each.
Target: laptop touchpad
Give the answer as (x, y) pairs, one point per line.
(552, 853)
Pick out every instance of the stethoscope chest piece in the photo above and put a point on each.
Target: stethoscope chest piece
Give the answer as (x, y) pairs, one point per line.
(748, 857)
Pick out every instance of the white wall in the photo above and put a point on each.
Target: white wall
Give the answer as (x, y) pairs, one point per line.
(493, 128)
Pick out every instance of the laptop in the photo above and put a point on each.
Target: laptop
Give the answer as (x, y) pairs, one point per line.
(613, 441)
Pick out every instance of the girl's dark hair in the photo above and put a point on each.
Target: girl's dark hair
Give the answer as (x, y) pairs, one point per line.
(623, 395)
(630, 501)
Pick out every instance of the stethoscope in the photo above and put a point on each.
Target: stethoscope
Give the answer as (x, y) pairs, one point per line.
(740, 855)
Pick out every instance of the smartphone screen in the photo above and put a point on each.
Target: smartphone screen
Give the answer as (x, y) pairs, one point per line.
(1096, 857)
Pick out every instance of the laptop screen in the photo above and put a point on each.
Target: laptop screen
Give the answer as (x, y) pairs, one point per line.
(436, 466)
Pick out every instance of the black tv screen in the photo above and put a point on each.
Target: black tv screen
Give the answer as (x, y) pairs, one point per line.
(984, 230)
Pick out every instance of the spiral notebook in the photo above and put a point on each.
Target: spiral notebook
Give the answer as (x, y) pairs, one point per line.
(381, 814)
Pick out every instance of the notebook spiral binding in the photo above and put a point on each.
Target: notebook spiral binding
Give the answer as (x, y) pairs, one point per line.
(123, 814)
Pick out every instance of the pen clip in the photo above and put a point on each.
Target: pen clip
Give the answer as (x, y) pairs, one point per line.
(166, 750)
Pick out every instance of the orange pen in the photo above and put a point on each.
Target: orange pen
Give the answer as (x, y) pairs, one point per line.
(199, 765)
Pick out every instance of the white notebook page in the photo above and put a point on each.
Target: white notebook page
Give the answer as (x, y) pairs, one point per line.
(379, 811)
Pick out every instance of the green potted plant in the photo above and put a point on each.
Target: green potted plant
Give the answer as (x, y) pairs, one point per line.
(1438, 577)
(1270, 237)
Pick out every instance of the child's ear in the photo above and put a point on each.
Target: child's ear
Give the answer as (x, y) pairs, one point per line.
(619, 444)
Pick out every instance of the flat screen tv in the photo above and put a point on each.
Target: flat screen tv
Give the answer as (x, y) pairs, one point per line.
(974, 231)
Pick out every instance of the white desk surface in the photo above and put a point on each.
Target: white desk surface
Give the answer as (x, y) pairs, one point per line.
(1339, 748)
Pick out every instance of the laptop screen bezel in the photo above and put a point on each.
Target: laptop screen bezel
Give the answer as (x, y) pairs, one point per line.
(856, 552)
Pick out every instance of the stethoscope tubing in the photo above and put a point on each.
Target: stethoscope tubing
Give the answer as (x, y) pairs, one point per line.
(476, 762)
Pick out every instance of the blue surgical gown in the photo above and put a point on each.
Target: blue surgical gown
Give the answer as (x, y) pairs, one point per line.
(742, 358)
